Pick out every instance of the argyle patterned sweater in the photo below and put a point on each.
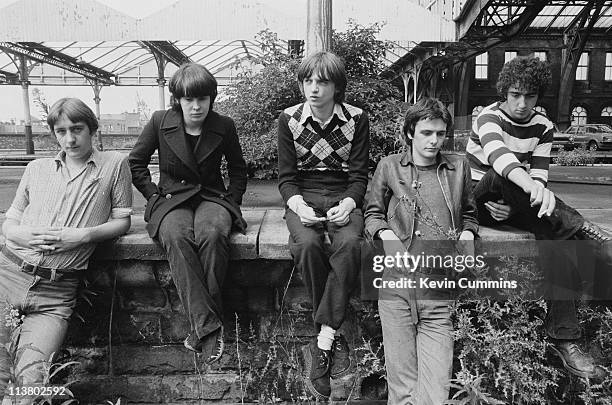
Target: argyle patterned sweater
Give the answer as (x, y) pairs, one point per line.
(335, 157)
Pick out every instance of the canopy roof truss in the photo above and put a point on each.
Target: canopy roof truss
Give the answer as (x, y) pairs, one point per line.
(554, 15)
(483, 24)
(131, 63)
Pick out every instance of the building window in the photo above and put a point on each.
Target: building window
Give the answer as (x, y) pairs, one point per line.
(482, 66)
(582, 69)
(540, 109)
(509, 55)
(540, 55)
(606, 112)
(579, 115)
(608, 74)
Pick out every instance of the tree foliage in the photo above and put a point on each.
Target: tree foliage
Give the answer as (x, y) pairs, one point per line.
(361, 51)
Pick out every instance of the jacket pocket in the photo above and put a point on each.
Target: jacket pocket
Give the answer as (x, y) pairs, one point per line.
(149, 208)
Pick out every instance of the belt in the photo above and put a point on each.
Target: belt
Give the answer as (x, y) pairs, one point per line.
(43, 272)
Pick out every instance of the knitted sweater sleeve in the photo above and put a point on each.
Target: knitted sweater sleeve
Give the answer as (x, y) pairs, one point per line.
(358, 161)
(287, 160)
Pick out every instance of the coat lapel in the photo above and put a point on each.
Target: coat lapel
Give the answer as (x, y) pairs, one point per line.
(174, 134)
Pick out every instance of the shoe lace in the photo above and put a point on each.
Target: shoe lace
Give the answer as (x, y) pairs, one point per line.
(595, 233)
(573, 348)
(323, 358)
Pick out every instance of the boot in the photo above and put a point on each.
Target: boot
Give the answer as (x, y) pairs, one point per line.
(317, 362)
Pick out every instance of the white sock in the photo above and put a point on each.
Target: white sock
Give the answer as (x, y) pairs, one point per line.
(326, 337)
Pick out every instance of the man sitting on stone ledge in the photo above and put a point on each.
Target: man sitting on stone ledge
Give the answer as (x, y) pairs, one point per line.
(191, 212)
(63, 206)
(323, 174)
(505, 137)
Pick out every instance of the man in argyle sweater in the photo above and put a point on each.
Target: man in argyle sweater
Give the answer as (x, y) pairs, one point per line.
(323, 174)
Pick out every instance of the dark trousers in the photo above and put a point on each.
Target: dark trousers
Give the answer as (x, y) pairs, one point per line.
(195, 237)
(559, 265)
(329, 281)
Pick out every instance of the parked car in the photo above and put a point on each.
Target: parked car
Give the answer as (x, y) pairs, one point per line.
(591, 136)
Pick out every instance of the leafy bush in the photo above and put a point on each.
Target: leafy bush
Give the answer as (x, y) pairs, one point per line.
(503, 344)
(575, 157)
(256, 99)
(258, 96)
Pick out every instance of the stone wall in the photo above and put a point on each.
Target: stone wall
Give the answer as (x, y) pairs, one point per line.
(128, 329)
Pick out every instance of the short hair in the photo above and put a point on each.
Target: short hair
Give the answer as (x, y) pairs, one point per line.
(328, 66)
(75, 110)
(528, 72)
(425, 108)
(192, 80)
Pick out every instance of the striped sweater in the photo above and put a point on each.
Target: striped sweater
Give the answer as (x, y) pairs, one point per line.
(498, 142)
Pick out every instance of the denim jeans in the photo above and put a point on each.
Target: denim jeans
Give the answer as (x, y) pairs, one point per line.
(561, 321)
(418, 356)
(195, 237)
(329, 281)
(47, 306)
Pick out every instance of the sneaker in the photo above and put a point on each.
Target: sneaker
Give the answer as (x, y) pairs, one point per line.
(317, 363)
(340, 358)
(574, 359)
(590, 231)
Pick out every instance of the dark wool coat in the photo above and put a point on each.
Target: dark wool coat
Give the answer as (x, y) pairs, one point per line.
(185, 173)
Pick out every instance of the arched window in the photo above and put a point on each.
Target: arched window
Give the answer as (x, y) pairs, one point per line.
(607, 112)
(579, 115)
(475, 112)
(540, 109)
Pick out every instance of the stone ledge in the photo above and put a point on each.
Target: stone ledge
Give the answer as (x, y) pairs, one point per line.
(267, 237)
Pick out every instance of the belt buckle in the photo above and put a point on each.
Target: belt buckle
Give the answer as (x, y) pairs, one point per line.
(29, 268)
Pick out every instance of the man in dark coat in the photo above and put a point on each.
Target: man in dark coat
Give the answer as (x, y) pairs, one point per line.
(191, 212)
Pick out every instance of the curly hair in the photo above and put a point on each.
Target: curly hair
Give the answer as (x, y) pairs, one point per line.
(528, 73)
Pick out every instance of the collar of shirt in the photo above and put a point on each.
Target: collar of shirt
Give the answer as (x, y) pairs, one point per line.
(60, 158)
(307, 113)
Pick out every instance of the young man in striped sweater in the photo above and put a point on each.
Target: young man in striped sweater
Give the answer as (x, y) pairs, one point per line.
(506, 137)
(323, 174)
